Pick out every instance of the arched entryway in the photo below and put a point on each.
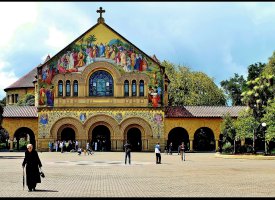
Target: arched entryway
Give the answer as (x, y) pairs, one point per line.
(67, 134)
(22, 137)
(101, 138)
(134, 138)
(204, 140)
(177, 136)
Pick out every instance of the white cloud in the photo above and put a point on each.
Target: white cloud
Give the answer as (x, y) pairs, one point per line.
(57, 39)
(230, 65)
(260, 12)
(14, 15)
(7, 78)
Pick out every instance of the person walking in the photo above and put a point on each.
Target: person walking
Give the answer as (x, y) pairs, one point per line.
(157, 151)
(127, 147)
(170, 148)
(32, 163)
(182, 151)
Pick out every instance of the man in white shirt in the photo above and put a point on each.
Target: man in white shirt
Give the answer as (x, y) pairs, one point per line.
(157, 151)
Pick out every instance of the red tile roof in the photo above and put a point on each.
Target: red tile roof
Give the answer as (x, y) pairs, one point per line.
(20, 111)
(202, 111)
(25, 81)
(170, 112)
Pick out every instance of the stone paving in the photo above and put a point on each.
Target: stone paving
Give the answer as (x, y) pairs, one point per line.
(104, 174)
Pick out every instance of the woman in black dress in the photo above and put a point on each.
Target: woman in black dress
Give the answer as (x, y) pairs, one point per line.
(32, 171)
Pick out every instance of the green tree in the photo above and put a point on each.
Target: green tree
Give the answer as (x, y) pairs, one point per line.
(255, 70)
(3, 102)
(269, 69)
(269, 119)
(191, 88)
(90, 40)
(227, 129)
(260, 92)
(233, 89)
(246, 125)
(1, 115)
(26, 100)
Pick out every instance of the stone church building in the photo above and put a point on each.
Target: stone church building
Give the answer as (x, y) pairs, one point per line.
(103, 88)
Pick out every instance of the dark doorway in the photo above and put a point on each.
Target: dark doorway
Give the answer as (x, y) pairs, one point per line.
(134, 138)
(22, 137)
(177, 136)
(67, 134)
(101, 138)
(204, 140)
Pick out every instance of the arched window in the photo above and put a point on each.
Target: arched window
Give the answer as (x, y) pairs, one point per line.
(101, 84)
(75, 88)
(141, 88)
(60, 88)
(68, 88)
(126, 88)
(134, 88)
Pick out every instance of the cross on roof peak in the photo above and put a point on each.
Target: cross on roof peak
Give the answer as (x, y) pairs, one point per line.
(100, 11)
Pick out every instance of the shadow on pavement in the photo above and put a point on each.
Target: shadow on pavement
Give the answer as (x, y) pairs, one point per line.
(11, 157)
(45, 190)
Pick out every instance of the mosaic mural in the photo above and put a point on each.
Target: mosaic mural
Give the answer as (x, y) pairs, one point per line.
(155, 119)
(99, 44)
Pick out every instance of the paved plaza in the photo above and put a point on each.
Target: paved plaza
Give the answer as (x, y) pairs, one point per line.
(104, 174)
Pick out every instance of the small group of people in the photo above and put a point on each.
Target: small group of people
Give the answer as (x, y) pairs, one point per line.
(34, 165)
(88, 150)
(158, 152)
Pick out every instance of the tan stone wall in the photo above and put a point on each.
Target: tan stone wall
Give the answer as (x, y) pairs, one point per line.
(117, 120)
(191, 125)
(13, 124)
(20, 92)
(141, 119)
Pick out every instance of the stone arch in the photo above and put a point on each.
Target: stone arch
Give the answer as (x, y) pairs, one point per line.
(177, 135)
(24, 132)
(102, 119)
(136, 122)
(108, 67)
(69, 122)
(204, 139)
(61, 129)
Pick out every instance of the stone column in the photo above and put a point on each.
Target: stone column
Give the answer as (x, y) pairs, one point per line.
(217, 145)
(64, 88)
(72, 87)
(137, 88)
(130, 89)
(191, 144)
(144, 145)
(242, 142)
(11, 145)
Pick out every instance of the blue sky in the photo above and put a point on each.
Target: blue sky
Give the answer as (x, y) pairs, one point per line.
(217, 38)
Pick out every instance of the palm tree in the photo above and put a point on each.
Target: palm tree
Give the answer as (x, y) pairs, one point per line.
(90, 40)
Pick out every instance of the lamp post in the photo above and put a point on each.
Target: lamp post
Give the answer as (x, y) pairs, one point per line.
(264, 125)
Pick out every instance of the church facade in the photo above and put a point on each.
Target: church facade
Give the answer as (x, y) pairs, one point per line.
(102, 88)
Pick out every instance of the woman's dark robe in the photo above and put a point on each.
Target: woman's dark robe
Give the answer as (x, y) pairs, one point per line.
(32, 171)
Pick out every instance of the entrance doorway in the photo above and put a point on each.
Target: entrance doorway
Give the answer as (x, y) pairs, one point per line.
(204, 140)
(134, 138)
(177, 136)
(22, 137)
(67, 134)
(101, 138)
